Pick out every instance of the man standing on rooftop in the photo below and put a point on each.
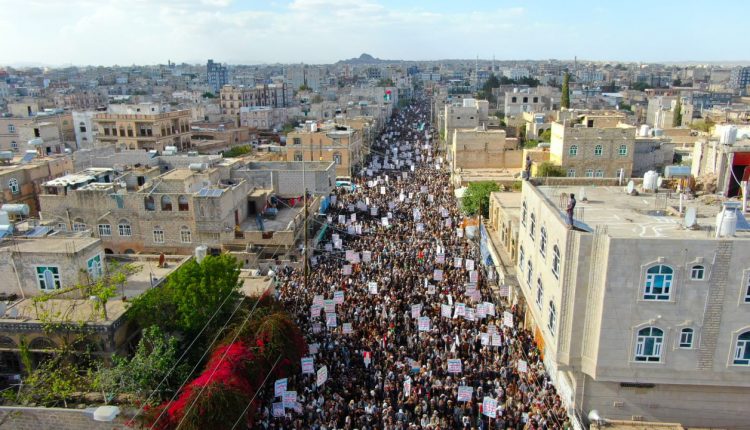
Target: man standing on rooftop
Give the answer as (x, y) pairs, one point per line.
(570, 208)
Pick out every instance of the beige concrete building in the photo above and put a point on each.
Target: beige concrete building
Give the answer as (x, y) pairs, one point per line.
(233, 98)
(637, 316)
(329, 142)
(471, 113)
(20, 183)
(263, 117)
(593, 148)
(144, 127)
(231, 204)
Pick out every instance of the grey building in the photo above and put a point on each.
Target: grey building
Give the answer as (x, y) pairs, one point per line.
(218, 75)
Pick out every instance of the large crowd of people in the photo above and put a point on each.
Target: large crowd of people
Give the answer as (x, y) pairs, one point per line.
(398, 309)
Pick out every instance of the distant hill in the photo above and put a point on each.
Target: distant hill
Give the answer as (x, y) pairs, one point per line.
(365, 59)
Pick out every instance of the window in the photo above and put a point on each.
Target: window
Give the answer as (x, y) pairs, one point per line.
(337, 158)
(105, 230)
(79, 225)
(94, 267)
(658, 283)
(648, 344)
(697, 272)
(297, 141)
(746, 299)
(158, 235)
(62, 226)
(571, 173)
(523, 213)
(556, 261)
(166, 203)
(525, 99)
(598, 150)
(623, 151)
(529, 272)
(536, 99)
(552, 322)
(514, 100)
(599, 173)
(589, 173)
(298, 156)
(13, 185)
(14, 146)
(11, 128)
(742, 350)
(48, 278)
(124, 228)
(573, 151)
(185, 235)
(148, 203)
(686, 338)
(521, 256)
(543, 241)
(182, 203)
(539, 293)
(532, 226)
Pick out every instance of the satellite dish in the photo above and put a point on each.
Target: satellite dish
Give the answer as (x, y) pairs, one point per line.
(631, 187)
(690, 217)
(3, 307)
(13, 313)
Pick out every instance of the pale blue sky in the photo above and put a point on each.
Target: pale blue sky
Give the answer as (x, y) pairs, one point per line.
(322, 31)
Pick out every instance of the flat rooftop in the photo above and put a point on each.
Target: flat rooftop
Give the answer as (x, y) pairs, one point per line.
(177, 174)
(646, 215)
(281, 222)
(50, 245)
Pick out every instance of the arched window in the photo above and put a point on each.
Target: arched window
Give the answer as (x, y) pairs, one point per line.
(571, 173)
(529, 272)
(599, 173)
(697, 272)
(41, 343)
(556, 261)
(742, 350)
(521, 256)
(589, 173)
(523, 213)
(123, 227)
(543, 242)
(298, 156)
(79, 224)
(532, 226)
(337, 158)
(166, 203)
(658, 283)
(158, 234)
(552, 322)
(13, 185)
(573, 151)
(623, 151)
(185, 235)
(686, 338)
(539, 293)
(514, 99)
(182, 203)
(598, 150)
(648, 344)
(148, 203)
(105, 229)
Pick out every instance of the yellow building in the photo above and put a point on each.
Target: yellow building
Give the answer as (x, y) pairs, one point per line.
(340, 144)
(143, 128)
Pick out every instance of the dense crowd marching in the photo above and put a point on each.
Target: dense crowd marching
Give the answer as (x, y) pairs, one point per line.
(397, 311)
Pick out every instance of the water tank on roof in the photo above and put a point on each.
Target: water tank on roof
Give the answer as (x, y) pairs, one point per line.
(170, 148)
(6, 155)
(38, 141)
(644, 131)
(200, 252)
(16, 209)
(658, 132)
(192, 153)
(198, 167)
(649, 180)
(728, 135)
(726, 223)
(4, 218)
(679, 171)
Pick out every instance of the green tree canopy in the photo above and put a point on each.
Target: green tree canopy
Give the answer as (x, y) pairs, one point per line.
(546, 136)
(547, 169)
(677, 117)
(237, 151)
(565, 100)
(190, 297)
(478, 194)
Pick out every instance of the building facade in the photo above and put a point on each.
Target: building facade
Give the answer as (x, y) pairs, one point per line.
(144, 128)
(217, 75)
(340, 144)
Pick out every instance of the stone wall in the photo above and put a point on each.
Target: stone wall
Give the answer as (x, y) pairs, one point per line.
(24, 418)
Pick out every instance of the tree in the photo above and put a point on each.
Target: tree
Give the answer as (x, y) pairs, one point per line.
(677, 82)
(639, 86)
(385, 83)
(565, 100)
(703, 125)
(191, 296)
(208, 95)
(677, 117)
(237, 151)
(546, 136)
(547, 169)
(154, 357)
(478, 195)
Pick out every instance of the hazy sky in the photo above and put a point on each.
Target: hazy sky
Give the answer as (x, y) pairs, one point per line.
(124, 32)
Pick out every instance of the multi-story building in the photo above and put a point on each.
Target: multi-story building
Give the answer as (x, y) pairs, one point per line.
(144, 126)
(525, 100)
(471, 113)
(739, 78)
(225, 204)
(597, 147)
(272, 95)
(84, 128)
(337, 143)
(20, 183)
(263, 117)
(640, 313)
(483, 149)
(217, 74)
